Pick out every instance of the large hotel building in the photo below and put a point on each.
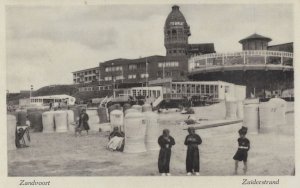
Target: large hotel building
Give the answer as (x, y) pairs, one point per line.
(258, 65)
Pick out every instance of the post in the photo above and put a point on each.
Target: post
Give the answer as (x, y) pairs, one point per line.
(30, 93)
(265, 57)
(146, 72)
(281, 58)
(114, 85)
(164, 70)
(222, 59)
(244, 57)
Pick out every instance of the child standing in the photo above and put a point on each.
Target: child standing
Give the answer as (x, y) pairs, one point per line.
(165, 142)
(83, 120)
(192, 156)
(243, 148)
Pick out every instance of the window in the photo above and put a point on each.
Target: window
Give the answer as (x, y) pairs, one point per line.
(207, 89)
(202, 89)
(108, 78)
(211, 89)
(132, 67)
(107, 69)
(132, 76)
(144, 75)
(168, 64)
(173, 31)
(119, 77)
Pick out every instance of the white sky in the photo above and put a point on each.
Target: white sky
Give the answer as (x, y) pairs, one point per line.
(45, 44)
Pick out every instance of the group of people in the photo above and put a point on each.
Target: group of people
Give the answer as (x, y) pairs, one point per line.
(166, 141)
(192, 140)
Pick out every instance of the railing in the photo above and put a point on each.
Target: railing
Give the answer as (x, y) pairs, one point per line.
(158, 101)
(244, 58)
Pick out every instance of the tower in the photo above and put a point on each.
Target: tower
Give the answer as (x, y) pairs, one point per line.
(255, 42)
(176, 33)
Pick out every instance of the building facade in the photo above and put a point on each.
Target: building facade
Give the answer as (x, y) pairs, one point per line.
(122, 73)
(258, 65)
(86, 76)
(261, 68)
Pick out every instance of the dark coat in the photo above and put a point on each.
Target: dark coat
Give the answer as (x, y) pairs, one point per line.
(192, 156)
(83, 121)
(242, 152)
(165, 153)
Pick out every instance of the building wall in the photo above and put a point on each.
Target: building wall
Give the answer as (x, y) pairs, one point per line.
(255, 44)
(86, 76)
(287, 47)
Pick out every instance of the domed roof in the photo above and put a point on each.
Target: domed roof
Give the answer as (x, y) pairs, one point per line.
(175, 16)
(255, 36)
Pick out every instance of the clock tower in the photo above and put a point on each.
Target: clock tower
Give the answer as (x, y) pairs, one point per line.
(176, 33)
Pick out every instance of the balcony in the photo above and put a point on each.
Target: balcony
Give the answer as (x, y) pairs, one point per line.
(245, 60)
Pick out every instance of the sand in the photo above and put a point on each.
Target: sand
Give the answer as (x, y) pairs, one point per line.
(63, 154)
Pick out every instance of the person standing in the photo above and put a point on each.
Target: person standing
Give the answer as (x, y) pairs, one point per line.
(165, 142)
(243, 148)
(192, 141)
(83, 120)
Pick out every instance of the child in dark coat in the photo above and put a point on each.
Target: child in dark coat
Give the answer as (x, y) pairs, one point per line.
(243, 148)
(83, 121)
(192, 156)
(165, 142)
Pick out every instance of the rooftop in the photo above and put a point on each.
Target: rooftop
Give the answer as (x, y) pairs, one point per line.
(86, 69)
(121, 61)
(255, 36)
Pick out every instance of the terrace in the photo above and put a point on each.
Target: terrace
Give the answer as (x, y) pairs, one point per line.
(245, 60)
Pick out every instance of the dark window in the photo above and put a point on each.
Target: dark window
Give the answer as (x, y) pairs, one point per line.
(173, 31)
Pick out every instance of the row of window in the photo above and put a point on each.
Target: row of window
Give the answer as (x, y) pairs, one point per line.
(36, 100)
(86, 73)
(110, 78)
(177, 51)
(203, 89)
(176, 31)
(86, 79)
(131, 76)
(41, 100)
(169, 73)
(168, 64)
(120, 68)
(113, 69)
(98, 88)
(132, 67)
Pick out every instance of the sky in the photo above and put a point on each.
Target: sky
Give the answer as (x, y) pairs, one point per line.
(45, 44)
